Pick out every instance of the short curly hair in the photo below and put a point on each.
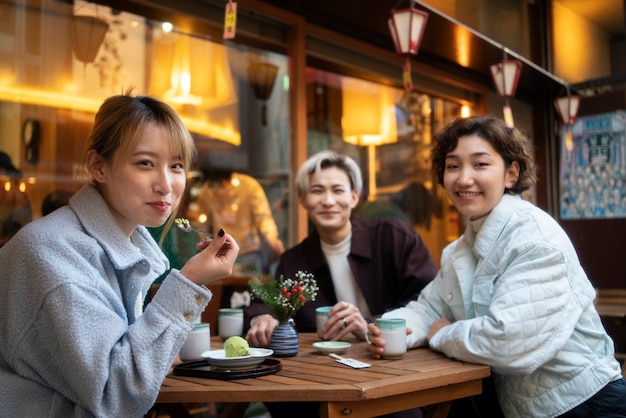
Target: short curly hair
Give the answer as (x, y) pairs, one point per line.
(511, 143)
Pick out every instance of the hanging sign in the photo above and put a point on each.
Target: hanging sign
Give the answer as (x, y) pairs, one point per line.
(508, 115)
(230, 20)
(406, 76)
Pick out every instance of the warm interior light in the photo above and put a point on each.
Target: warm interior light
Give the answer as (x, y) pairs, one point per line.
(67, 101)
(180, 78)
(368, 113)
(212, 130)
(462, 42)
(194, 76)
(192, 71)
(48, 98)
(466, 111)
(368, 119)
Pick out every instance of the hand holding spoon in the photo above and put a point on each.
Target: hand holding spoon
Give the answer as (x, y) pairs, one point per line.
(184, 225)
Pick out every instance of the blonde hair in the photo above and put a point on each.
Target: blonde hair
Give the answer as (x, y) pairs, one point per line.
(324, 159)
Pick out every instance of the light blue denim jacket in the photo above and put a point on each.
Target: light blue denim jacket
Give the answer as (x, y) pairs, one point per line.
(519, 301)
(71, 342)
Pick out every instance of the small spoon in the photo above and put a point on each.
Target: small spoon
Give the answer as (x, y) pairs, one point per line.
(184, 225)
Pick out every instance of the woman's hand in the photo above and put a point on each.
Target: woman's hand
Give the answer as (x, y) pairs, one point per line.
(377, 343)
(261, 330)
(344, 318)
(214, 261)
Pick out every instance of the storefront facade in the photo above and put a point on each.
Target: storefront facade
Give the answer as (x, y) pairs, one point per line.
(259, 103)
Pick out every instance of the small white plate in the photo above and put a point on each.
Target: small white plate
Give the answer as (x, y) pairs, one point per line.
(254, 357)
(327, 347)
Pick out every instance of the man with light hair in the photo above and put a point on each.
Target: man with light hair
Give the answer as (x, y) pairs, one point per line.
(363, 268)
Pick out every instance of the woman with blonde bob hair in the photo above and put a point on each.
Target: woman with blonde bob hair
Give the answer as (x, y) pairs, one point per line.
(73, 338)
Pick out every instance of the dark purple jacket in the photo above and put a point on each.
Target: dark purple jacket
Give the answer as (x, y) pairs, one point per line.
(389, 261)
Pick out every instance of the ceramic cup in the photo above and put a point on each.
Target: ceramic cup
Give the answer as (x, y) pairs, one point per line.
(321, 316)
(393, 331)
(229, 322)
(198, 341)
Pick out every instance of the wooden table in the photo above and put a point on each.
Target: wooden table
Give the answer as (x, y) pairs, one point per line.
(422, 377)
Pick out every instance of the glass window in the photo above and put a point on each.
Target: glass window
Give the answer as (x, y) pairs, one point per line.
(388, 131)
(233, 97)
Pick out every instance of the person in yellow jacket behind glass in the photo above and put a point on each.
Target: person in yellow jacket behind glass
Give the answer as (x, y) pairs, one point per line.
(238, 203)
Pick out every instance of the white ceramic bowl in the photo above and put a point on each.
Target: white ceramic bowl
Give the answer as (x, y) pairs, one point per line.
(328, 347)
(255, 357)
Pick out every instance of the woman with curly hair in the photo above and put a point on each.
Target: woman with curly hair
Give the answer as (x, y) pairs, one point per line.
(511, 292)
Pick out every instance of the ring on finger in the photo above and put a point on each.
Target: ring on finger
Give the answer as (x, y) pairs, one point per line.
(345, 323)
(346, 306)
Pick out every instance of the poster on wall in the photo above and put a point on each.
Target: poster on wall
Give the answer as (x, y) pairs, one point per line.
(593, 168)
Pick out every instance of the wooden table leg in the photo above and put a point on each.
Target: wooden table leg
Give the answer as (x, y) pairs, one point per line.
(438, 410)
(176, 410)
(234, 410)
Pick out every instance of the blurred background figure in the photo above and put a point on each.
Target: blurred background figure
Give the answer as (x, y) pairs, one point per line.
(379, 208)
(15, 208)
(238, 203)
(55, 200)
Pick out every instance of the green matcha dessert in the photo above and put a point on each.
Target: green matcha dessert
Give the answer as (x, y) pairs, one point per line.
(236, 347)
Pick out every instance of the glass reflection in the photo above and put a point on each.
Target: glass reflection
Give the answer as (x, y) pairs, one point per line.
(388, 132)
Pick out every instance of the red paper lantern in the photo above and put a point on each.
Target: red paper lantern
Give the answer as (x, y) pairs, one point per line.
(407, 27)
(567, 107)
(506, 76)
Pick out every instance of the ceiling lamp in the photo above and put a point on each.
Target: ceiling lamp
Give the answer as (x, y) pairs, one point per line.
(262, 78)
(567, 108)
(87, 34)
(407, 27)
(369, 120)
(505, 77)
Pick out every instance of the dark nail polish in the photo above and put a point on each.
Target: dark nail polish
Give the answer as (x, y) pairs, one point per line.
(221, 233)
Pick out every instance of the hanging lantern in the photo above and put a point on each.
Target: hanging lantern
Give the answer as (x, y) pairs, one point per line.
(262, 78)
(407, 28)
(505, 77)
(87, 34)
(567, 108)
